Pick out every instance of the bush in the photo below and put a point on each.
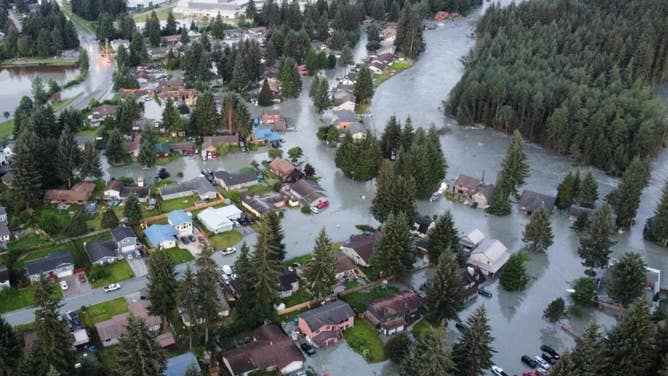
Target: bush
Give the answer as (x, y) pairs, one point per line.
(398, 347)
(306, 209)
(234, 195)
(98, 272)
(584, 291)
(365, 228)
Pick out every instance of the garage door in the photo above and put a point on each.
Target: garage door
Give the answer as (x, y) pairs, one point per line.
(65, 273)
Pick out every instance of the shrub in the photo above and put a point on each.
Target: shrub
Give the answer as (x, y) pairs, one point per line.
(306, 209)
(398, 347)
(584, 291)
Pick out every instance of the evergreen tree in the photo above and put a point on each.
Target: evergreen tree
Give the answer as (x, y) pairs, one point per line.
(625, 199)
(423, 161)
(51, 331)
(394, 194)
(27, 184)
(368, 158)
(363, 90)
(390, 141)
(393, 253)
(138, 352)
(657, 227)
(564, 366)
(266, 98)
(583, 291)
(409, 40)
(444, 291)
(538, 232)
(188, 303)
(515, 166)
(566, 191)
(587, 356)
(205, 116)
(153, 29)
(275, 237)
(430, 356)
(147, 156)
(514, 275)
(320, 272)
(90, 162)
(262, 293)
(554, 311)
(472, 354)
(109, 219)
(435, 162)
(627, 279)
(588, 190)
(10, 349)
(138, 53)
(162, 285)
(105, 27)
(444, 238)
(132, 210)
(291, 83)
(208, 284)
(172, 25)
(629, 346)
(239, 76)
(235, 116)
(373, 38)
(115, 148)
(251, 12)
(595, 243)
(171, 119)
(346, 56)
(320, 97)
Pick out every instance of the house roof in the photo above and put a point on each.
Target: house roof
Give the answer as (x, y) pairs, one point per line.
(471, 274)
(287, 278)
(328, 314)
(176, 217)
(4, 230)
(281, 167)
(99, 249)
(3, 210)
(270, 348)
(50, 262)
(308, 190)
(180, 364)
(198, 185)
(473, 238)
(467, 181)
(78, 193)
(486, 191)
(531, 201)
(343, 263)
(423, 222)
(162, 147)
(397, 304)
(166, 339)
(257, 204)
(157, 234)
(266, 133)
(112, 328)
(490, 255)
(231, 179)
(213, 218)
(104, 110)
(122, 232)
(347, 116)
(140, 309)
(363, 244)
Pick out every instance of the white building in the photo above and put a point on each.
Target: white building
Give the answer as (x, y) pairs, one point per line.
(138, 5)
(219, 220)
(489, 256)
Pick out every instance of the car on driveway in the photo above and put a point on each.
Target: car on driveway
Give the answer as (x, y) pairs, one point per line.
(63, 285)
(484, 292)
(228, 251)
(227, 269)
(112, 287)
(308, 349)
(82, 278)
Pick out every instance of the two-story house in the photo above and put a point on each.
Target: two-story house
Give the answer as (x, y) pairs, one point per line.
(182, 222)
(126, 240)
(323, 326)
(394, 313)
(4, 229)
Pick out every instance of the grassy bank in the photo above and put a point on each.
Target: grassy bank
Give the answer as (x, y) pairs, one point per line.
(364, 339)
(31, 62)
(160, 12)
(394, 69)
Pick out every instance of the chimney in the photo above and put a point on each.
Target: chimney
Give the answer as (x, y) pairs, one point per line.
(140, 181)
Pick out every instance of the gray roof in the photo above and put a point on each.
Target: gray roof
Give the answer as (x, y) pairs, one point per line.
(530, 201)
(99, 249)
(328, 314)
(49, 263)
(199, 185)
(4, 230)
(122, 232)
(233, 179)
(3, 210)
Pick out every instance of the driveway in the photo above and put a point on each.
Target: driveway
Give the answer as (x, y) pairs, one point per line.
(138, 266)
(75, 287)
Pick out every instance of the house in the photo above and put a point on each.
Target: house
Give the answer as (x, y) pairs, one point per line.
(310, 193)
(265, 134)
(162, 149)
(223, 310)
(576, 211)
(423, 224)
(466, 185)
(140, 309)
(131, 144)
(344, 119)
(323, 326)
(288, 283)
(483, 196)
(5, 234)
(210, 144)
(4, 277)
(231, 181)
(161, 236)
(394, 313)
(3, 214)
(99, 113)
(58, 264)
(274, 120)
(471, 278)
(257, 32)
(185, 148)
(472, 239)
(180, 365)
(256, 206)
(282, 168)
(531, 201)
(270, 349)
(109, 331)
(157, 52)
(360, 248)
(78, 194)
(179, 94)
(345, 268)
(116, 190)
(102, 251)
(219, 220)
(173, 39)
(358, 131)
(197, 186)
(181, 221)
(126, 240)
(343, 100)
(489, 256)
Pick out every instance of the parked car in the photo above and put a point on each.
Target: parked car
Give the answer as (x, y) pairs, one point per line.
(498, 371)
(541, 371)
(548, 358)
(322, 205)
(82, 278)
(227, 269)
(529, 361)
(63, 285)
(550, 351)
(486, 293)
(184, 240)
(307, 349)
(228, 251)
(529, 373)
(461, 326)
(112, 287)
(541, 362)
(315, 210)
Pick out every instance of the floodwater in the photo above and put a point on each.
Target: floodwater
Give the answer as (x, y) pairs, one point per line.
(16, 83)
(515, 318)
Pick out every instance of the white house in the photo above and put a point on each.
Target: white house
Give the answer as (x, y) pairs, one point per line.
(219, 220)
(182, 222)
(472, 239)
(489, 256)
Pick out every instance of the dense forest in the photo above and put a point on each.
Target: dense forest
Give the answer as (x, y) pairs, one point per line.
(46, 32)
(92, 9)
(574, 76)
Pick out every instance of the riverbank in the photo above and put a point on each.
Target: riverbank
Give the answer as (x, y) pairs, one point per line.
(39, 62)
(160, 12)
(7, 127)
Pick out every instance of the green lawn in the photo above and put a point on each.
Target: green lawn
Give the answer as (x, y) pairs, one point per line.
(179, 256)
(359, 299)
(29, 241)
(39, 62)
(363, 338)
(422, 328)
(225, 239)
(177, 203)
(299, 297)
(6, 128)
(247, 169)
(303, 259)
(160, 12)
(89, 132)
(12, 299)
(94, 314)
(118, 271)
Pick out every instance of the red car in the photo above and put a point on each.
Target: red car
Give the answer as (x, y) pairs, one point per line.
(82, 278)
(529, 373)
(322, 204)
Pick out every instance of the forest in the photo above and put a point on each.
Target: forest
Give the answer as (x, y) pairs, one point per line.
(91, 9)
(574, 76)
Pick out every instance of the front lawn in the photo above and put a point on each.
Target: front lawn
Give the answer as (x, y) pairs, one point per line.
(358, 300)
(117, 272)
(422, 328)
(176, 204)
(94, 314)
(302, 260)
(29, 241)
(298, 297)
(363, 338)
(12, 299)
(179, 256)
(225, 239)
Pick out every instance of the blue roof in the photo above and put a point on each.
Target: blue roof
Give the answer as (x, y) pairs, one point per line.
(180, 364)
(266, 134)
(157, 234)
(177, 217)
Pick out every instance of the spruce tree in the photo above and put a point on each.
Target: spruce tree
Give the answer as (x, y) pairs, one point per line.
(587, 356)
(538, 232)
(444, 237)
(273, 231)
(346, 56)
(239, 76)
(498, 203)
(291, 84)
(430, 356)
(583, 291)
(162, 285)
(367, 158)
(566, 192)
(345, 157)
(514, 275)
(627, 279)
(595, 243)
(10, 349)
(444, 292)
(436, 162)
(390, 141)
(52, 333)
(27, 184)
(205, 117)
(393, 253)
(628, 349)
(153, 29)
(588, 190)
(321, 94)
(171, 119)
(409, 40)
(188, 303)
(171, 25)
(147, 157)
(423, 161)
(320, 272)
(472, 354)
(264, 280)
(554, 311)
(138, 352)
(115, 148)
(625, 199)
(564, 366)
(109, 219)
(515, 164)
(394, 194)
(363, 89)
(69, 156)
(266, 98)
(132, 210)
(90, 162)
(208, 283)
(657, 229)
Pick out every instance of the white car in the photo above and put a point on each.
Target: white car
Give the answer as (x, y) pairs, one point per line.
(63, 285)
(112, 287)
(228, 251)
(315, 210)
(498, 371)
(227, 269)
(541, 362)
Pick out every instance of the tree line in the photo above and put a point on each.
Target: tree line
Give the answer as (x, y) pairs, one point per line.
(585, 88)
